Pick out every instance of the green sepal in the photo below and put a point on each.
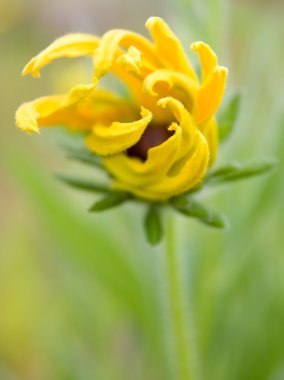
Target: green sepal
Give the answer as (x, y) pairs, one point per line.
(83, 184)
(238, 172)
(111, 200)
(83, 155)
(228, 117)
(153, 225)
(224, 170)
(194, 209)
(180, 200)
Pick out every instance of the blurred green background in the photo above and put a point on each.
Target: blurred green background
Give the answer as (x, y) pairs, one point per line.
(79, 293)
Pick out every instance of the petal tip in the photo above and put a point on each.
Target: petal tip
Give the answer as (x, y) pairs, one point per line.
(28, 128)
(197, 44)
(163, 102)
(146, 113)
(152, 21)
(34, 73)
(30, 68)
(221, 70)
(26, 69)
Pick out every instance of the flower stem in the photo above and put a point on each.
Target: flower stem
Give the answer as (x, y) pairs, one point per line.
(179, 319)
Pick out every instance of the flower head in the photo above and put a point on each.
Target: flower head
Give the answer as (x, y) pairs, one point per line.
(160, 141)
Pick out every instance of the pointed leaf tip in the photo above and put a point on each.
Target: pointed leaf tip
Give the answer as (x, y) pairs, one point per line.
(203, 213)
(240, 171)
(229, 117)
(153, 225)
(111, 200)
(83, 184)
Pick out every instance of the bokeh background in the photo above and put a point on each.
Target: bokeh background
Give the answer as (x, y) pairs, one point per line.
(79, 293)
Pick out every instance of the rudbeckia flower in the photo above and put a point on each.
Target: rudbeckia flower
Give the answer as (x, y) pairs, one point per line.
(158, 142)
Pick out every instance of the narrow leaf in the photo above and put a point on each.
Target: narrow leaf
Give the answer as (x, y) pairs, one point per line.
(228, 117)
(83, 184)
(204, 214)
(109, 201)
(243, 172)
(180, 200)
(224, 170)
(83, 155)
(153, 225)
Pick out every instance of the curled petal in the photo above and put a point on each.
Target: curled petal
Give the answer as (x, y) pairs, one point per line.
(211, 135)
(191, 135)
(133, 61)
(110, 44)
(134, 83)
(210, 94)
(70, 46)
(169, 47)
(207, 57)
(176, 108)
(78, 94)
(183, 168)
(159, 160)
(106, 107)
(189, 175)
(53, 110)
(185, 121)
(78, 110)
(117, 137)
(183, 87)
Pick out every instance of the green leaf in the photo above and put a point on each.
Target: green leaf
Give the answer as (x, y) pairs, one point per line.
(83, 155)
(183, 198)
(224, 170)
(83, 184)
(153, 225)
(236, 173)
(228, 117)
(201, 212)
(180, 200)
(111, 200)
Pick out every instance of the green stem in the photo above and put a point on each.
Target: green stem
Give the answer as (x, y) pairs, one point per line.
(183, 351)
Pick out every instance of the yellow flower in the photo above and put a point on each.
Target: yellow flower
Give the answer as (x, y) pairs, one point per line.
(160, 141)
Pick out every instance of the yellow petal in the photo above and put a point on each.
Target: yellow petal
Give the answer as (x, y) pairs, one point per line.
(168, 47)
(134, 83)
(191, 174)
(160, 158)
(210, 94)
(78, 94)
(53, 110)
(104, 107)
(71, 45)
(178, 85)
(185, 121)
(211, 135)
(191, 135)
(110, 44)
(182, 169)
(117, 137)
(131, 61)
(207, 57)
(78, 110)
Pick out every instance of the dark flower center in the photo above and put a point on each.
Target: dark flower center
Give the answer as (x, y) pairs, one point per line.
(153, 136)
